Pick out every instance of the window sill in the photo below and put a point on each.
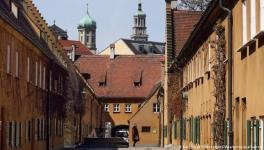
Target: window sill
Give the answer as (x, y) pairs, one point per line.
(128, 112)
(116, 112)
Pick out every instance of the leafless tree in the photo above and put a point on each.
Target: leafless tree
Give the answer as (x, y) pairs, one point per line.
(198, 5)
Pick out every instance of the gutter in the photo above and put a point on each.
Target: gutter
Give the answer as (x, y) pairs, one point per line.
(230, 72)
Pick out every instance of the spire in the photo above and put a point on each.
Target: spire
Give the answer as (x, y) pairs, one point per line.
(87, 7)
(139, 5)
(54, 22)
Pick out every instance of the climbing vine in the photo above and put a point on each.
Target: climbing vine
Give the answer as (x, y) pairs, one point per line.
(219, 79)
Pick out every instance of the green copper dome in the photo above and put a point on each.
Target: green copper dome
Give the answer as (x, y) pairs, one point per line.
(87, 21)
(140, 11)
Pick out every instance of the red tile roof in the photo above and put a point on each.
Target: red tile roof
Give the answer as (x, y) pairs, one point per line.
(80, 48)
(184, 22)
(121, 73)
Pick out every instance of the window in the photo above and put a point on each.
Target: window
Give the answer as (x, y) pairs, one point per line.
(156, 107)
(262, 15)
(128, 108)
(145, 129)
(253, 18)
(116, 108)
(106, 107)
(28, 69)
(40, 74)
(28, 131)
(141, 48)
(36, 74)
(17, 65)
(44, 78)
(8, 59)
(14, 9)
(244, 21)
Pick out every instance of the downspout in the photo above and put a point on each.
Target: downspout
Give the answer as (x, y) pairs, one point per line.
(230, 72)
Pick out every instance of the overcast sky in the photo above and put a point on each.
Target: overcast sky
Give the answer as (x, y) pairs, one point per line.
(114, 18)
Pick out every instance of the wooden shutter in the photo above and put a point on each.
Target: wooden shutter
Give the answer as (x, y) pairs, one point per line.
(257, 133)
(249, 134)
(7, 134)
(26, 131)
(175, 130)
(225, 133)
(13, 134)
(198, 130)
(17, 134)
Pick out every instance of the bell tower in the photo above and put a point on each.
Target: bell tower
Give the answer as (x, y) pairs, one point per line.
(139, 28)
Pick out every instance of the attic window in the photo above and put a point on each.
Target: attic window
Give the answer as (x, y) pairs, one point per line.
(14, 9)
(138, 79)
(103, 80)
(86, 76)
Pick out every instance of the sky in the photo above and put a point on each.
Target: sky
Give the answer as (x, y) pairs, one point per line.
(114, 18)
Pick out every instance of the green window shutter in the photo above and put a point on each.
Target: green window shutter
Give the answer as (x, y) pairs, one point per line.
(192, 129)
(225, 133)
(184, 129)
(195, 128)
(198, 131)
(257, 133)
(248, 134)
(165, 131)
(175, 130)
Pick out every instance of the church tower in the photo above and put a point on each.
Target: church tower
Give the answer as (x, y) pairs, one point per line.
(139, 29)
(87, 32)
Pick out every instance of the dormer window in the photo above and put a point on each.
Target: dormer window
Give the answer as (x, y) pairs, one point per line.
(138, 79)
(103, 80)
(14, 9)
(86, 76)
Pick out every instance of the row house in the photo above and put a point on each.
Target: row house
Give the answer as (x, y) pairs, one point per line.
(238, 50)
(87, 109)
(32, 83)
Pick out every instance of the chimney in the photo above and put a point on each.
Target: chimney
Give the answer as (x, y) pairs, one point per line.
(73, 52)
(112, 51)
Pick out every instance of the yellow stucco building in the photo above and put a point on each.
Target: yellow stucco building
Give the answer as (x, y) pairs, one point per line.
(198, 64)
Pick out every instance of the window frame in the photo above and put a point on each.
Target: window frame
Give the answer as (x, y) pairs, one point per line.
(116, 108)
(156, 108)
(128, 108)
(106, 107)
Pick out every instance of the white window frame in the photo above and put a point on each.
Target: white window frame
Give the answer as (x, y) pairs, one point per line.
(40, 74)
(156, 107)
(253, 17)
(17, 64)
(36, 73)
(116, 107)
(28, 69)
(44, 78)
(244, 21)
(128, 108)
(261, 15)
(106, 107)
(8, 59)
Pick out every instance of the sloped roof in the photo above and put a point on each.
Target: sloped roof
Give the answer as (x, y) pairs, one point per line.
(80, 48)
(184, 22)
(22, 25)
(120, 74)
(157, 47)
(59, 31)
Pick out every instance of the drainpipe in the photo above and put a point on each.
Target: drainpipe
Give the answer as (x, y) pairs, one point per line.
(230, 71)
